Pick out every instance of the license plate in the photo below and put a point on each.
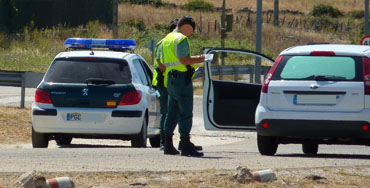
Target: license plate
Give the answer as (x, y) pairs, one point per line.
(74, 117)
(315, 99)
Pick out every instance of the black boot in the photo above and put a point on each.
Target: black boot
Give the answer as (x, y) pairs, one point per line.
(189, 148)
(161, 145)
(198, 148)
(168, 146)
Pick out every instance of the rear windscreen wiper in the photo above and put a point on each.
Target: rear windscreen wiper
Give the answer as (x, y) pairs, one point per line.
(326, 77)
(99, 81)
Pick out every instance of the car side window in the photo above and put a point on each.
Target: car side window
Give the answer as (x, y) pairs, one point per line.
(140, 70)
(147, 70)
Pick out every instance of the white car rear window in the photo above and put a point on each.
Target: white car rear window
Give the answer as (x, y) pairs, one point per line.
(301, 67)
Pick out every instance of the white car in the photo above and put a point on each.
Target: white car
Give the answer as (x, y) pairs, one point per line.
(88, 93)
(314, 94)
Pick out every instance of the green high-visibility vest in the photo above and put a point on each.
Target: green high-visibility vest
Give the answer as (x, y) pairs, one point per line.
(169, 53)
(155, 73)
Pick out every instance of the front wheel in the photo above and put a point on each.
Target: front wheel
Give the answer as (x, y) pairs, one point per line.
(267, 145)
(139, 141)
(39, 140)
(310, 148)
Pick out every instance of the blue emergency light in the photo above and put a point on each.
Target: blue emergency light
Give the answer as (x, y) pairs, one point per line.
(111, 44)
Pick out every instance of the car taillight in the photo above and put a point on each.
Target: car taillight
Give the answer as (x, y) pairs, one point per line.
(322, 53)
(43, 96)
(270, 74)
(366, 70)
(365, 127)
(130, 98)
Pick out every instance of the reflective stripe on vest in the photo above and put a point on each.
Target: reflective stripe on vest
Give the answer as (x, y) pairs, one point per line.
(176, 43)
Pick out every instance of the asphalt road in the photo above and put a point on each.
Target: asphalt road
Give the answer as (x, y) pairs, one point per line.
(223, 150)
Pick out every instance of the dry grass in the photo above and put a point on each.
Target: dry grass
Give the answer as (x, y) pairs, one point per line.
(274, 39)
(302, 6)
(15, 125)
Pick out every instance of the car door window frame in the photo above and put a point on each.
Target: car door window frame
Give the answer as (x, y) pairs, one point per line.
(141, 70)
(208, 97)
(147, 70)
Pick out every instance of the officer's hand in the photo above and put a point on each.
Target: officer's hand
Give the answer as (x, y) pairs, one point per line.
(208, 58)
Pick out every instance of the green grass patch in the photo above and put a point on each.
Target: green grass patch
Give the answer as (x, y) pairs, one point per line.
(34, 49)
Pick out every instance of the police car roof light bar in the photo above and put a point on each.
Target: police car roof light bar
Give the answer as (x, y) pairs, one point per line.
(111, 44)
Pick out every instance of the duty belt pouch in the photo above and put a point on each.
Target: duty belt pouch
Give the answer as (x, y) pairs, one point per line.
(160, 78)
(189, 74)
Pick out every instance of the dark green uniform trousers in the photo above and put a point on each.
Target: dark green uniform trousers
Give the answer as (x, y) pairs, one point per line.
(163, 101)
(180, 105)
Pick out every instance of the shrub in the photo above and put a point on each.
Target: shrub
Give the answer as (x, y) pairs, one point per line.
(357, 14)
(3, 41)
(138, 24)
(322, 10)
(193, 5)
(156, 3)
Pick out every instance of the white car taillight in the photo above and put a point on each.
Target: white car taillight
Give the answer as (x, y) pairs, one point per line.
(270, 74)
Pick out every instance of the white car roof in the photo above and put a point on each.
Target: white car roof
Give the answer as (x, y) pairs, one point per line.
(338, 49)
(99, 54)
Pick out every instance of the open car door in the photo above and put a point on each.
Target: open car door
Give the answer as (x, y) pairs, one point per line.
(230, 103)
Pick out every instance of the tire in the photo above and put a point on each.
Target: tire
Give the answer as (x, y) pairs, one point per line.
(310, 148)
(63, 140)
(139, 141)
(39, 140)
(267, 145)
(155, 142)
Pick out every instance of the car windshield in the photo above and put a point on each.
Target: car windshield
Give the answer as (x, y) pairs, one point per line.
(81, 71)
(319, 68)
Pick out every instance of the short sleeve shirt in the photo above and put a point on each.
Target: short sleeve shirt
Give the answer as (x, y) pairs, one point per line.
(182, 48)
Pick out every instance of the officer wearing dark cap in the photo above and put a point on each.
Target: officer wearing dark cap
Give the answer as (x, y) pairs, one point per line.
(176, 56)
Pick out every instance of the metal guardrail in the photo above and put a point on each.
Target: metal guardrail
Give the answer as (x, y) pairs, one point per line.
(20, 79)
(32, 79)
(14, 78)
(232, 70)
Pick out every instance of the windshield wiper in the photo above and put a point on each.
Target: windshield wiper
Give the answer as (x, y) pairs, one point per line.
(99, 81)
(326, 77)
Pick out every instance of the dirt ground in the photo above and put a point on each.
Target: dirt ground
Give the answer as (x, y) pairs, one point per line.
(327, 178)
(15, 127)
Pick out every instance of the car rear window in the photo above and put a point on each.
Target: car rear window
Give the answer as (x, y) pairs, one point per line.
(319, 67)
(78, 70)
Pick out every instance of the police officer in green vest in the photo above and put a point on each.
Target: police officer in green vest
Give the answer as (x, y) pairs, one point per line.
(158, 82)
(176, 56)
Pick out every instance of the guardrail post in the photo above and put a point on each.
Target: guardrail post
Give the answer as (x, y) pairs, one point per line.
(220, 72)
(23, 90)
(251, 76)
(235, 69)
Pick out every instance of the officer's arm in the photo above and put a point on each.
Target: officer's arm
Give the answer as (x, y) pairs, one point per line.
(183, 52)
(161, 66)
(192, 60)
